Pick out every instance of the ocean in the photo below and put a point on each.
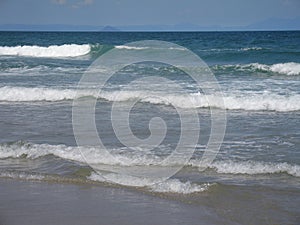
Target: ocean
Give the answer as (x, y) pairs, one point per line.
(254, 177)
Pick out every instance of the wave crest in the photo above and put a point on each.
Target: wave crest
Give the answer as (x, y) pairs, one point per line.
(254, 167)
(290, 68)
(168, 186)
(267, 102)
(56, 51)
(127, 158)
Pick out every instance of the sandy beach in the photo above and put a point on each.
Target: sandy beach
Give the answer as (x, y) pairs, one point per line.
(27, 203)
(32, 202)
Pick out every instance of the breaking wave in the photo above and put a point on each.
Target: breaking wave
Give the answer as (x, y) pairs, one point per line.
(138, 158)
(289, 69)
(254, 167)
(33, 151)
(55, 51)
(254, 48)
(167, 186)
(62, 51)
(267, 102)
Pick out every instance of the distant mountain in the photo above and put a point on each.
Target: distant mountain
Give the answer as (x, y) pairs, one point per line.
(49, 27)
(175, 27)
(269, 24)
(55, 27)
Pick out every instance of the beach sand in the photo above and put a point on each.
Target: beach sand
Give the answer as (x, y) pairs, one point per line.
(25, 202)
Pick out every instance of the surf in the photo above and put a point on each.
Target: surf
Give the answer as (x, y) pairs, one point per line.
(127, 158)
(287, 69)
(52, 51)
(232, 101)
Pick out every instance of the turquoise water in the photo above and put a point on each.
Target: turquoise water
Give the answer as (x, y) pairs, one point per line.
(259, 74)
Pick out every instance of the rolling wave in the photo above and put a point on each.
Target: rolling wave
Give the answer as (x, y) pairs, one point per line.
(62, 51)
(168, 186)
(251, 102)
(289, 69)
(53, 51)
(130, 47)
(255, 167)
(33, 151)
(24, 94)
(254, 48)
(138, 158)
(39, 70)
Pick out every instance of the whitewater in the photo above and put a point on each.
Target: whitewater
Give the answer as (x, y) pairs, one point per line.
(67, 50)
(232, 101)
(259, 78)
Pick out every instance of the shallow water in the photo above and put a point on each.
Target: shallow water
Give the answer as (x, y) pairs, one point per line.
(259, 160)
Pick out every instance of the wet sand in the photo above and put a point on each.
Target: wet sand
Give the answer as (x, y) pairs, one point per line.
(42, 203)
(24, 202)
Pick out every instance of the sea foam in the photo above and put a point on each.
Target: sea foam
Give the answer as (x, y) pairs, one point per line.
(255, 167)
(285, 68)
(289, 69)
(127, 158)
(161, 186)
(232, 101)
(33, 151)
(25, 94)
(60, 51)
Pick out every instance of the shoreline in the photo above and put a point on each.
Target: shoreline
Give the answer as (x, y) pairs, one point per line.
(41, 202)
(26, 202)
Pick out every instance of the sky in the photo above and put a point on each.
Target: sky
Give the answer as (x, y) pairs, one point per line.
(146, 12)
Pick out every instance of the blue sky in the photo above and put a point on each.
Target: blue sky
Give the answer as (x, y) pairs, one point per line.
(142, 12)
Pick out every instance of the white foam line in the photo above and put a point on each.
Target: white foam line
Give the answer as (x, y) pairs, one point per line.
(167, 186)
(256, 101)
(255, 167)
(138, 158)
(289, 69)
(67, 50)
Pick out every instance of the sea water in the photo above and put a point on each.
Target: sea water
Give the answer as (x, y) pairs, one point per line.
(259, 75)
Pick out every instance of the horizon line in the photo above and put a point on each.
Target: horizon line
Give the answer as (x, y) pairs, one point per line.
(123, 31)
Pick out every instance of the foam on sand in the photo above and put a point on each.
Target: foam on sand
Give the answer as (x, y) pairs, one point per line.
(167, 186)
